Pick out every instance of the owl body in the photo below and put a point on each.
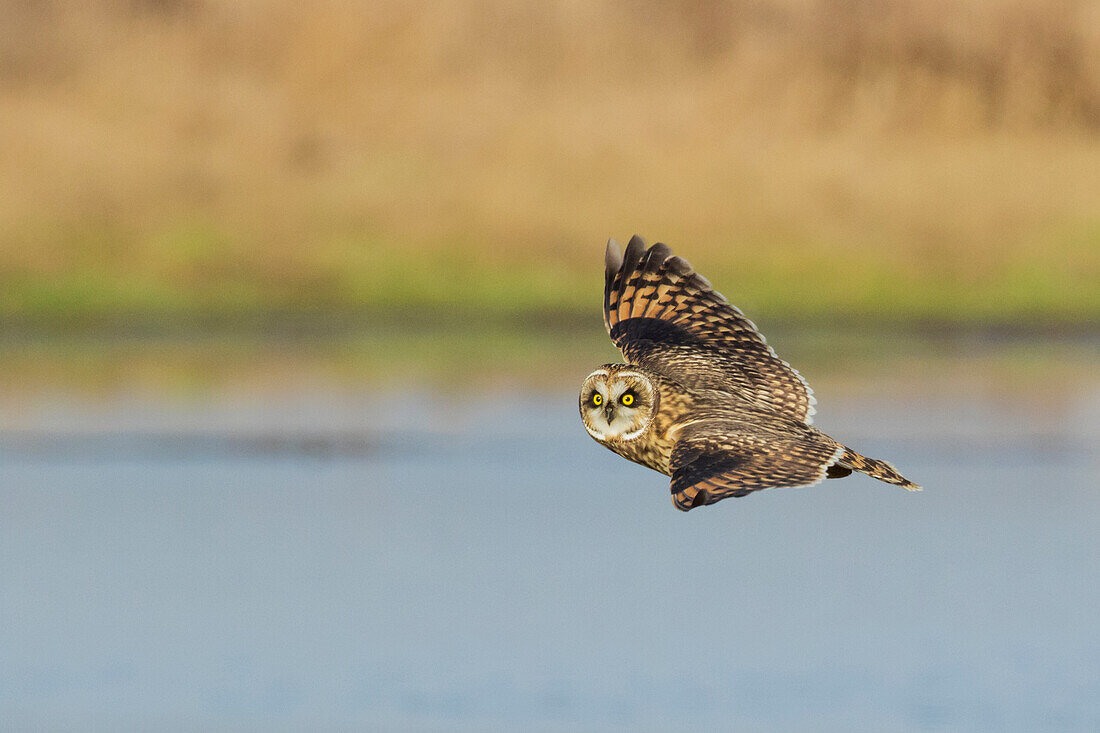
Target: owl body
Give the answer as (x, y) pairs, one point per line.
(677, 407)
(702, 397)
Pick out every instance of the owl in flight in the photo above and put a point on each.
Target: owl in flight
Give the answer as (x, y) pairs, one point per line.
(702, 397)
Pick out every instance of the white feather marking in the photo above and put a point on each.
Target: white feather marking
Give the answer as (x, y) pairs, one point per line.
(824, 470)
(634, 434)
(594, 434)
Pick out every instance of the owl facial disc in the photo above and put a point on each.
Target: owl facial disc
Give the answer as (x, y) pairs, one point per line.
(616, 403)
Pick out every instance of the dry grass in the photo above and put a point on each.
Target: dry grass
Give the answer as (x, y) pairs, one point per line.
(180, 156)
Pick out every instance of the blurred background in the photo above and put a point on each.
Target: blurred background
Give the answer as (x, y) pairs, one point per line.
(295, 298)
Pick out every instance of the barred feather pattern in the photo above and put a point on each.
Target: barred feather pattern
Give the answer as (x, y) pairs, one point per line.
(875, 468)
(663, 315)
(713, 460)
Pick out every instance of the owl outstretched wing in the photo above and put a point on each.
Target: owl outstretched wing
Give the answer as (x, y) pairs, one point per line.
(664, 316)
(716, 458)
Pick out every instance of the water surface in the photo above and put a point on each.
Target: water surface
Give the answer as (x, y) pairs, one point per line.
(432, 557)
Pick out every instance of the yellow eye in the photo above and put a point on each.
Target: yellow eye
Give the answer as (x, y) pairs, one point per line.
(597, 399)
(627, 399)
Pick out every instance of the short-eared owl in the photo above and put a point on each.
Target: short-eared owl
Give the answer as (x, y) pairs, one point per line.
(702, 397)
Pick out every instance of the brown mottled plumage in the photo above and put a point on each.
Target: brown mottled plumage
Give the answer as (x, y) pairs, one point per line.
(702, 397)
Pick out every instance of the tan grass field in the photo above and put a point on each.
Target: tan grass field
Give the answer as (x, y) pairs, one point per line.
(190, 161)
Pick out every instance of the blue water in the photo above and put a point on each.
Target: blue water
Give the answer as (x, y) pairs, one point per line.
(429, 562)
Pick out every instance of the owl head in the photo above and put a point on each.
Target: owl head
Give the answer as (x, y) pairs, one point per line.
(617, 402)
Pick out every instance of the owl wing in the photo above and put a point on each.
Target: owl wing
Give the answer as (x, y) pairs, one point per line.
(717, 458)
(664, 316)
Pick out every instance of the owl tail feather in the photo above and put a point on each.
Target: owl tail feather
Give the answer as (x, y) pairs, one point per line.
(881, 470)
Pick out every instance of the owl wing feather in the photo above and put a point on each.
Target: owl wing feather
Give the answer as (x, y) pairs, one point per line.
(664, 316)
(717, 458)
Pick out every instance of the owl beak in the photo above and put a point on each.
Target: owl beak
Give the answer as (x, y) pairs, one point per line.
(607, 410)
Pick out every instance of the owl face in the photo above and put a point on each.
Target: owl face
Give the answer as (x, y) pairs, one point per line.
(617, 403)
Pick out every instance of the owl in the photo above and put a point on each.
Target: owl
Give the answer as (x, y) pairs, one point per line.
(702, 398)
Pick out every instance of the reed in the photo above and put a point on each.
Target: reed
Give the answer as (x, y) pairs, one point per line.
(201, 159)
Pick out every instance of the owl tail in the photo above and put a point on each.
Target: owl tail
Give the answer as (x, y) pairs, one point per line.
(881, 470)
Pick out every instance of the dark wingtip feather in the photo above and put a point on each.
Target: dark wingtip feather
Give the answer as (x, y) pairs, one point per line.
(655, 257)
(635, 248)
(681, 267)
(613, 257)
